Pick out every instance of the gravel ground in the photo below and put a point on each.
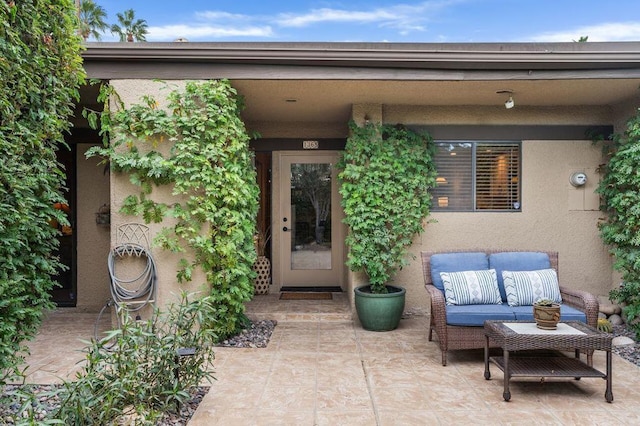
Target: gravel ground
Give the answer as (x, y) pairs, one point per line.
(255, 337)
(630, 353)
(46, 403)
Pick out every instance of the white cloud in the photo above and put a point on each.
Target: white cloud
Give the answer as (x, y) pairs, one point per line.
(332, 15)
(404, 17)
(621, 31)
(216, 24)
(217, 15)
(211, 25)
(197, 32)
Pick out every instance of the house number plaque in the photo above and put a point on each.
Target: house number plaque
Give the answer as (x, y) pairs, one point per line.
(310, 145)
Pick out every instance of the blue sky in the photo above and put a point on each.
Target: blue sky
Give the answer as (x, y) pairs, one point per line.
(457, 21)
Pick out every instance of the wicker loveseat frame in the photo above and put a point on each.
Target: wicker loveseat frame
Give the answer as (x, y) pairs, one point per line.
(467, 337)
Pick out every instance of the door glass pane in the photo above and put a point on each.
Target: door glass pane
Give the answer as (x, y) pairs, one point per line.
(311, 216)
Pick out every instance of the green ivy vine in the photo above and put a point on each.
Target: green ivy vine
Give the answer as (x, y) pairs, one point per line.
(208, 165)
(620, 191)
(40, 73)
(386, 174)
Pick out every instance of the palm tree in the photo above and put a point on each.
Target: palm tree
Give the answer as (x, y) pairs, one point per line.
(91, 17)
(130, 29)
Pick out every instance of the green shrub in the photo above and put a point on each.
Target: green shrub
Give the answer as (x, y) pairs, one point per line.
(620, 191)
(40, 72)
(628, 294)
(135, 371)
(386, 174)
(209, 166)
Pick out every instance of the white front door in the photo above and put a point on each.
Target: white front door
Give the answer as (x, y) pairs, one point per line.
(308, 233)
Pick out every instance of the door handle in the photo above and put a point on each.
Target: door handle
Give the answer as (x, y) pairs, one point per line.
(285, 229)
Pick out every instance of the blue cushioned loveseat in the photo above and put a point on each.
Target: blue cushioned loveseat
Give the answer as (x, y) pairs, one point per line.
(462, 286)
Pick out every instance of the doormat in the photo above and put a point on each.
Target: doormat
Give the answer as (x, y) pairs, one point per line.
(299, 295)
(321, 289)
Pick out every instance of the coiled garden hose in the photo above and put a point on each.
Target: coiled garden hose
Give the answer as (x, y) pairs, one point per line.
(121, 294)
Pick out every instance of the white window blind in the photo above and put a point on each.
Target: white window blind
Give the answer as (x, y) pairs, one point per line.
(454, 184)
(497, 177)
(477, 176)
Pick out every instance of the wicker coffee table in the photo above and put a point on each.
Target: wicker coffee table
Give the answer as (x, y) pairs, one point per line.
(525, 336)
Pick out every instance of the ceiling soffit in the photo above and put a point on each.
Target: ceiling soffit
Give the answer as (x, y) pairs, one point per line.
(319, 82)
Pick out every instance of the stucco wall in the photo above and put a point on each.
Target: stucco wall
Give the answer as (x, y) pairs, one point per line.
(130, 92)
(297, 130)
(485, 115)
(92, 240)
(555, 216)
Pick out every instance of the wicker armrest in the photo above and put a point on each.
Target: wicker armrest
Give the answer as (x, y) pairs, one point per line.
(438, 309)
(437, 297)
(582, 300)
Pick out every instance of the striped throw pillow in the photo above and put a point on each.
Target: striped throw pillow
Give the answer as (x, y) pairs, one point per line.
(471, 287)
(523, 288)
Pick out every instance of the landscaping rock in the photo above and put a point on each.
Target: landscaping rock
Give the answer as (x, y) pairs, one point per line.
(616, 319)
(609, 308)
(256, 336)
(622, 341)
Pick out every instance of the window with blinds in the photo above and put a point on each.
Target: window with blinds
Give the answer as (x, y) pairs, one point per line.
(477, 176)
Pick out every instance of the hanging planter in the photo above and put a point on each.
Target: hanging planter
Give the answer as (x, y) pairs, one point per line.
(103, 216)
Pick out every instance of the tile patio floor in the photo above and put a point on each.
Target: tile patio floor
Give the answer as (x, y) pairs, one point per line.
(322, 369)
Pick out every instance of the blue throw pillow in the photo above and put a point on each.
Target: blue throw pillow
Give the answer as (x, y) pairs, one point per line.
(456, 262)
(517, 261)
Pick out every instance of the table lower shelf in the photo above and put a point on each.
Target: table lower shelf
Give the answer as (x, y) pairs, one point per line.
(558, 366)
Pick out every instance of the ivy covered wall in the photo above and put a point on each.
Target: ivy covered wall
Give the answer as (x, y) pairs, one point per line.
(40, 72)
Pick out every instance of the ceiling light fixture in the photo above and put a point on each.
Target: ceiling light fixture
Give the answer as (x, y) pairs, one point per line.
(509, 103)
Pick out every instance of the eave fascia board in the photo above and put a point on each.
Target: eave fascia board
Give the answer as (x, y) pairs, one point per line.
(173, 70)
(466, 56)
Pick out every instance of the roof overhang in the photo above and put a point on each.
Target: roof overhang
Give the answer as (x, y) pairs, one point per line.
(445, 56)
(325, 79)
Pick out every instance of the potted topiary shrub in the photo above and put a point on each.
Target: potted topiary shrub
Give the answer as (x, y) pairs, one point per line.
(385, 178)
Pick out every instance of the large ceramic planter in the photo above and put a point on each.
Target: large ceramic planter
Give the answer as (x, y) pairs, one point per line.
(380, 312)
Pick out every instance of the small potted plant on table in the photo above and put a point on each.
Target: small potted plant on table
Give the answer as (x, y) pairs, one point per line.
(546, 313)
(386, 174)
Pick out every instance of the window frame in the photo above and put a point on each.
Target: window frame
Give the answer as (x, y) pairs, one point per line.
(473, 207)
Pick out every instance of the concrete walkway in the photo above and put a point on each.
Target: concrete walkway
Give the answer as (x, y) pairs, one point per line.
(322, 369)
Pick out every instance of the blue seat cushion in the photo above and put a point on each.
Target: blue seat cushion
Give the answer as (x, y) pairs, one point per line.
(456, 262)
(517, 261)
(567, 313)
(476, 315)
